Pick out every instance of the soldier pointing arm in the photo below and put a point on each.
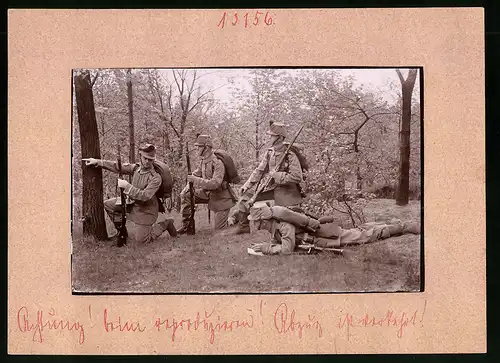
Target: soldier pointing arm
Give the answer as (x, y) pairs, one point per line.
(145, 183)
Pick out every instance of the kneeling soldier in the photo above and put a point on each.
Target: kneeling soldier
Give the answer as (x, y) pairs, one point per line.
(210, 186)
(285, 187)
(143, 210)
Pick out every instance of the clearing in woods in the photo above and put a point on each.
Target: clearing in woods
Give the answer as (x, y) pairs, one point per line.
(211, 262)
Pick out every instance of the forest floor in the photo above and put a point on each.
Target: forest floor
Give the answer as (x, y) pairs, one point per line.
(210, 263)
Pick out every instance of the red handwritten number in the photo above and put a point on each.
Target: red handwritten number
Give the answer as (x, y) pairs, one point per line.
(256, 21)
(222, 21)
(268, 20)
(235, 19)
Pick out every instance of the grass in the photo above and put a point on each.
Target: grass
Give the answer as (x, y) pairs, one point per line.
(209, 262)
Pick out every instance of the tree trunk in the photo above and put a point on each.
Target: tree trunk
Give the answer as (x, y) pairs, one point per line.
(169, 155)
(257, 141)
(164, 146)
(93, 207)
(131, 153)
(180, 151)
(404, 137)
(359, 179)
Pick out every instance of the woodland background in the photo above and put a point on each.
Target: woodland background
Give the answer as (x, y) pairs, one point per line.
(355, 137)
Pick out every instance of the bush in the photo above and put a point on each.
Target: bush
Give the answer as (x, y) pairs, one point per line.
(327, 194)
(388, 191)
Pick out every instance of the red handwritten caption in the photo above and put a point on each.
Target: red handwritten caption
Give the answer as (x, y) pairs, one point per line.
(37, 325)
(285, 322)
(210, 322)
(397, 321)
(248, 19)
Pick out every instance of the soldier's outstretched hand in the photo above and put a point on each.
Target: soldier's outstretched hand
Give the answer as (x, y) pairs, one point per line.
(90, 161)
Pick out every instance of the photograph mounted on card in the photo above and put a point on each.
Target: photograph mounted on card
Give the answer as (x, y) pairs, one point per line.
(247, 180)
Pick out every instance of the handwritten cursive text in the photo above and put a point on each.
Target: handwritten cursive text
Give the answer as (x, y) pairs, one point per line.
(285, 321)
(400, 321)
(207, 322)
(117, 325)
(43, 323)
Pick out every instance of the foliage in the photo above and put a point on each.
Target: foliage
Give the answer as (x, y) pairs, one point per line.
(350, 138)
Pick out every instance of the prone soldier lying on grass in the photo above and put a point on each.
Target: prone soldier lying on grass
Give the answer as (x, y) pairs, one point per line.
(290, 228)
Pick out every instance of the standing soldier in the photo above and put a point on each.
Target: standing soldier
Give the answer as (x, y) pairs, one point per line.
(284, 189)
(210, 186)
(143, 210)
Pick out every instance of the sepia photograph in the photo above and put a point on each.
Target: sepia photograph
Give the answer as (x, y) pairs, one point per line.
(247, 180)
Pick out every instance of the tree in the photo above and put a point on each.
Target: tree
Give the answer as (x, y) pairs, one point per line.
(131, 151)
(179, 103)
(93, 207)
(404, 136)
(262, 105)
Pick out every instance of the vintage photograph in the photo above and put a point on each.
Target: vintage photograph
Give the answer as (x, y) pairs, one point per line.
(247, 180)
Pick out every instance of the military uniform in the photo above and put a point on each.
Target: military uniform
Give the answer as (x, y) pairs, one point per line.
(325, 233)
(144, 209)
(284, 188)
(209, 188)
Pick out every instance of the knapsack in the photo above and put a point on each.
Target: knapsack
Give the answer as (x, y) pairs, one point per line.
(167, 182)
(231, 174)
(297, 150)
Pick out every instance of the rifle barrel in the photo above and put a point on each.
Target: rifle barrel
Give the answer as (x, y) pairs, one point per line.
(122, 232)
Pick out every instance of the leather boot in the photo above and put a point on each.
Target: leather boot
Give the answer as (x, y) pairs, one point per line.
(182, 230)
(185, 223)
(243, 225)
(411, 227)
(170, 227)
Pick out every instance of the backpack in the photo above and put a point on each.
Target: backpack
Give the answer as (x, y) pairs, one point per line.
(297, 150)
(231, 173)
(304, 165)
(167, 182)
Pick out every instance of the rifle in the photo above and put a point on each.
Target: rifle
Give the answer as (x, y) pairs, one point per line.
(265, 184)
(191, 226)
(122, 231)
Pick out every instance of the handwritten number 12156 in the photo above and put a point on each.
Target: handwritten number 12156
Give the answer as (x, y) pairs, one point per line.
(246, 19)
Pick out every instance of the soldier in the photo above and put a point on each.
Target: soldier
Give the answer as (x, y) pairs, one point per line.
(210, 186)
(285, 186)
(143, 210)
(288, 227)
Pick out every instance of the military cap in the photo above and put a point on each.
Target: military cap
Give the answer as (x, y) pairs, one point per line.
(277, 129)
(148, 151)
(204, 140)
